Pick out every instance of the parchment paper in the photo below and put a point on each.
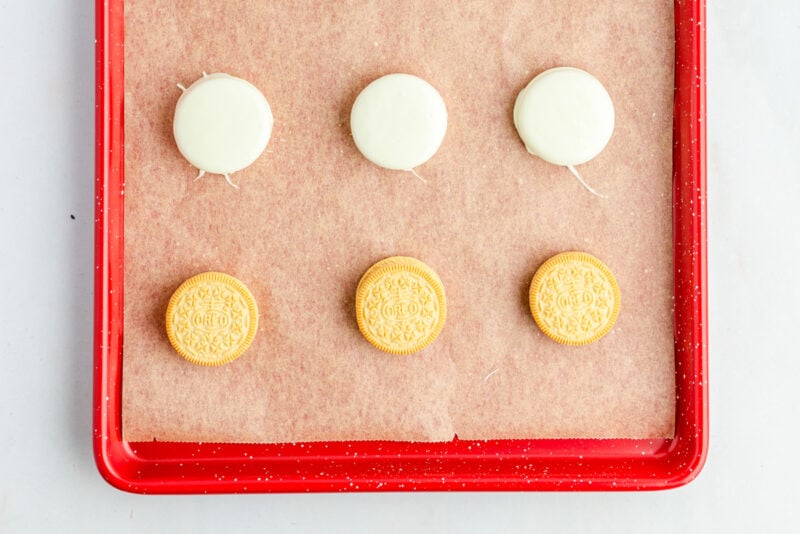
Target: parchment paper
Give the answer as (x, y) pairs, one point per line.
(312, 215)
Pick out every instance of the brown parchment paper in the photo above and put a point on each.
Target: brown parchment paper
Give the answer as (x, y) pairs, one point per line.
(312, 215)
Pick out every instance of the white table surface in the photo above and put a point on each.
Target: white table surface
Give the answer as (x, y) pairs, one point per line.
(48, 482)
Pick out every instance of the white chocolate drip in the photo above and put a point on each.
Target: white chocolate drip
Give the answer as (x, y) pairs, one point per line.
(577, 175)
(423, 180)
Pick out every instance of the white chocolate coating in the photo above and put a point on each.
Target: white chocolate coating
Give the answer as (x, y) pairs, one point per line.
(222, 124)
(565, 116)
(398, 121)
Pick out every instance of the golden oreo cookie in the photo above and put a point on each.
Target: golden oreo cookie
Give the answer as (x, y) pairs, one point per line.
(400, 305)
(211, 319)
(574, 298)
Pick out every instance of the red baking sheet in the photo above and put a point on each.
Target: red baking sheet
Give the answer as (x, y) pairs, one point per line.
(553, 464)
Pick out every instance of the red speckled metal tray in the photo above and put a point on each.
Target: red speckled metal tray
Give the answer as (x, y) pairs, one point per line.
(568, 464)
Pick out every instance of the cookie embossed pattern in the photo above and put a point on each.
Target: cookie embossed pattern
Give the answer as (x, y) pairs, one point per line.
(400, 305)
(574, 298)
(211, 319)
